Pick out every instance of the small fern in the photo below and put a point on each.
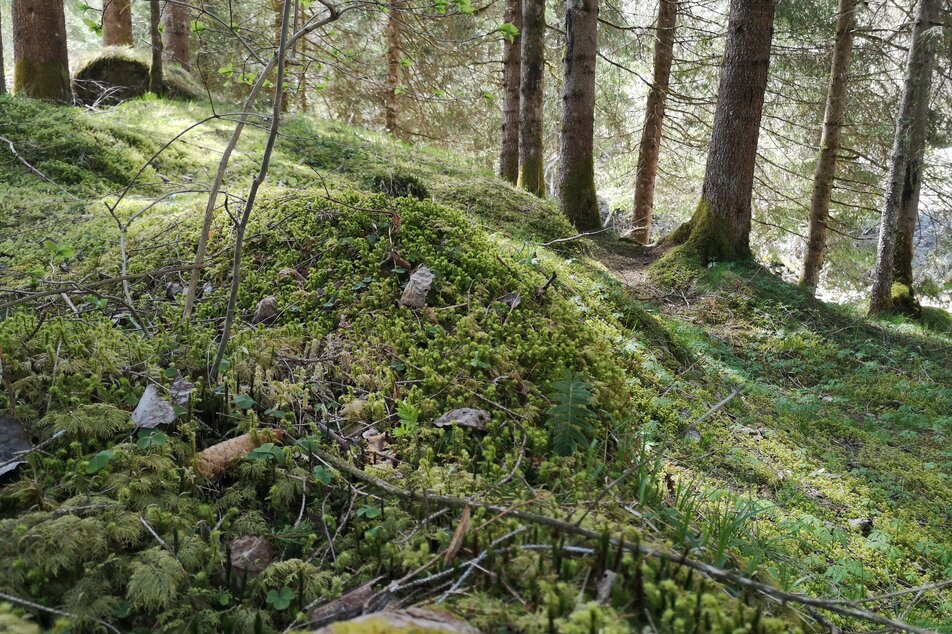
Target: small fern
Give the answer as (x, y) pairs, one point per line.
(569, 419)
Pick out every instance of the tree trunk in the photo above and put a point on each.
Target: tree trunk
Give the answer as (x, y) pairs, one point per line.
(3, 76)
(394, 69)
(650, 145)
(829, 144)
(40, 59)
(117, 23)
(278, 13)
(531, 94)
(301, 47)
(720, 228)
(175, 37)
(892, 284)
(576, 153)
(156, 83)
(511, 66)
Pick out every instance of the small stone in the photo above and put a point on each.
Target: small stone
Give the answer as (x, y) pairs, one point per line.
(414, 295)
(251, 555)
(464, 417)
(603, 593)
(152, 410)
(181, 390)
(267, 311)
(862, 524)
(15, 443)
(289, 273)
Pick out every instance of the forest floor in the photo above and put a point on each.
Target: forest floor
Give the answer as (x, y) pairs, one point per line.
(714, 413)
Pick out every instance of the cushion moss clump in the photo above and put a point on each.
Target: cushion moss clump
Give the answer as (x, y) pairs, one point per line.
(111, 76)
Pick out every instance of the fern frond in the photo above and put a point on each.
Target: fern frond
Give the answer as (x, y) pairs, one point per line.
(570, 419)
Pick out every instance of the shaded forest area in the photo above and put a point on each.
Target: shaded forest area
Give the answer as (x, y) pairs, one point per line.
(455, 317)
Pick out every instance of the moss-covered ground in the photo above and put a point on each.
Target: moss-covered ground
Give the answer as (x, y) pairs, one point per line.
(827, 473)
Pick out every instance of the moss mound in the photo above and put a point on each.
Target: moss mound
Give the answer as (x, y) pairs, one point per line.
(113, 75)
(595, 414)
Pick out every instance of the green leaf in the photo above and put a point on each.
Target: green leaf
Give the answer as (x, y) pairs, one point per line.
(171, 373)
(267, 451)
(280, 599)
(99, 461)
(197, 26)
(151, 438)
(322, 475)
(227, 70)
(275, 413)
(122, 610)
(369, 511)
(244, 401)
(509, 31)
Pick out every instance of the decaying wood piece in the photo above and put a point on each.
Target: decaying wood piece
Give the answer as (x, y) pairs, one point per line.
(213, 462)
(408, 620)
(354, 603)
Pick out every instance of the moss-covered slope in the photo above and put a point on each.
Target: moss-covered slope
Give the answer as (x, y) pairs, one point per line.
(591, 393)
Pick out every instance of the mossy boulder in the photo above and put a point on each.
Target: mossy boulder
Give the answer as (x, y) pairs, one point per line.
(117, 73)
(113, 75)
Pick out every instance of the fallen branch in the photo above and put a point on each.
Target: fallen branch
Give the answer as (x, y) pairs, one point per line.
(849, 610)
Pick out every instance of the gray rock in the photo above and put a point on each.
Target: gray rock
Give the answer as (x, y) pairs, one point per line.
(464, 417)
(153, 410)
(251, 555)
(15, 443)
(414, 295)
(267, 311)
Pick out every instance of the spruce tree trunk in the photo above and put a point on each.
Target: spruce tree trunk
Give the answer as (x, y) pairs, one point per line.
(40, 59)
(511, 67)
(278, 16)
(175, 48)
(829, 144)
(117, 23)
(394, 70)
(531, 162)
(892, 284)
(576, 158)
(720, 228)
(3, 76)
(156, 83)
(650, 146)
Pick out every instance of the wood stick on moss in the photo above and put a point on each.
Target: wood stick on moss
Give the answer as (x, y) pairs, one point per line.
(190, 294)
(852, 610)
(42, 608)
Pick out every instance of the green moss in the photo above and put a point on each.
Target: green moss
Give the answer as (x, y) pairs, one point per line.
(835, 420)
(904, 300)
(44, 80)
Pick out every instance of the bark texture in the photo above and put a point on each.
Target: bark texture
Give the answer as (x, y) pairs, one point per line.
(825, 172)
(278, 6)
(511, 67)
(117, 23)
(3, 76)
(892, 284)
(394, 69)
(576, 158)
(531, 163)
(156, 82)
(650, 145)
(720, 228)
(40, 59)
(175, 48)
